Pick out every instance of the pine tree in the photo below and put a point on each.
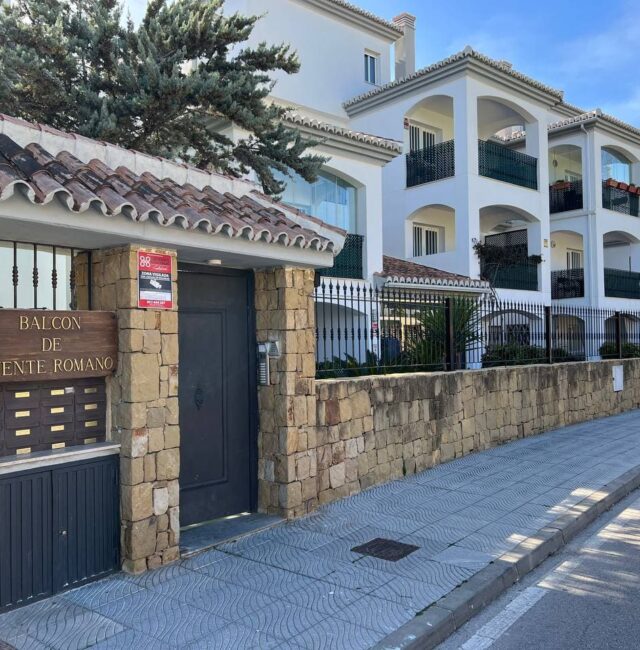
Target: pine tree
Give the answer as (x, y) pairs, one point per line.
(167, 87)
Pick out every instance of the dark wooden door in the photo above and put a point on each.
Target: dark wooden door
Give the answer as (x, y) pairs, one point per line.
(217, 394)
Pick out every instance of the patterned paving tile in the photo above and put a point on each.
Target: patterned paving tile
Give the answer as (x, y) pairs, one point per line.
(24, 642)
(415, 567)
(494, 546)
(166, 619)
(435, 532)
(203, 559)
(376, 614)
(131, 639)
(273, 581)
(284, 620)
(236, 637)
(57, 623)
(323, 597)
(102, 591)
(158, 576)
(358, 577)
(464, 557)
(338, 635)
(292, 559)
(411, 594)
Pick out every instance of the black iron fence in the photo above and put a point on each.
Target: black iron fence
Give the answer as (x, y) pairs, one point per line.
(37, 276)
(348, 262)
(620, 199)
(565, 196)
(362, 330)
(431, 163)
(567, 284)
(504, 164)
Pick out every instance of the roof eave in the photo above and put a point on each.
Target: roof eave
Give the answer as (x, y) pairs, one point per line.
(448, 70)
(379, 27)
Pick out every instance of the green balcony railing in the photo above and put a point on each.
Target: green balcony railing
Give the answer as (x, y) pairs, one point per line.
(567, 284)
(504, 164)
(431, 164)
(621, 284)
(521, 275)
(565, 196)
(348, 262)
(620, 200)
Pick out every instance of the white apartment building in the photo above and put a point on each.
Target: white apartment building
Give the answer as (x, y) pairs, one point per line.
(489, 155)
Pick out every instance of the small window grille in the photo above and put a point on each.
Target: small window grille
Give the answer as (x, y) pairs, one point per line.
(425, 240)
(420, 138)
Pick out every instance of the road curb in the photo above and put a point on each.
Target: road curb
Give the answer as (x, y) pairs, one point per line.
(438, 621)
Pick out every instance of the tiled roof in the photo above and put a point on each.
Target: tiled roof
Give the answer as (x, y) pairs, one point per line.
(467, 53)
(581, 118)
(374, 140)
(367, 14)
(122, 182)
(401, 271)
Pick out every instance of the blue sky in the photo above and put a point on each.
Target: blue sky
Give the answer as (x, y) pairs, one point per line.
(589, 49)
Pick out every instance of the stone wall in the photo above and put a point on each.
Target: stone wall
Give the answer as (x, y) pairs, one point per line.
(373, 429)
(287, 474)
(144, 408)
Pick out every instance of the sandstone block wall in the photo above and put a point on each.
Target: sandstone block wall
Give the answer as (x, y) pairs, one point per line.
(373, 429)
(287, 473)
(144, 408)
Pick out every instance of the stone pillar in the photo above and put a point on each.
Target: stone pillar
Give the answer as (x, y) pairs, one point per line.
(287, 468)
(144, 411)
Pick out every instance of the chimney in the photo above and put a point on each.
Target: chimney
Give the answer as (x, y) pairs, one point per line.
(405, 45)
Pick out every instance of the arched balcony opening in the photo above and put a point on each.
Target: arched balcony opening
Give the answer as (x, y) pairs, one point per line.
(621, 253)
(429, 146)
(619, 191)
(565, 178)
(431, 236)
(502, 145)
(505, 259)
(567, 265)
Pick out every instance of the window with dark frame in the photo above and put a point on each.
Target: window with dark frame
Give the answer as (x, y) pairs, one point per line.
(370, 68)
(425, 240)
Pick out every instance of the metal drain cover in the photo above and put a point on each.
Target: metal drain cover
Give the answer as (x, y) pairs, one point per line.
(385, 549)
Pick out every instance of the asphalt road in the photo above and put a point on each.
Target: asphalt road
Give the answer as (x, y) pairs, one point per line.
(587, 597)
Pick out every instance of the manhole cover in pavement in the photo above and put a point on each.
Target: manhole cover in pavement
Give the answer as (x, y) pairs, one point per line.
(385, 549)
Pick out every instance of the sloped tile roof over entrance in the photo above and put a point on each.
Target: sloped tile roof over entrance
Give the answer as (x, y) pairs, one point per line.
(401, 271)
(217, 205)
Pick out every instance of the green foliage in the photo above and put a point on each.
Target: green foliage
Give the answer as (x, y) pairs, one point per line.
(515, 354)
(171, 86)
(428, 347)
(609, 350)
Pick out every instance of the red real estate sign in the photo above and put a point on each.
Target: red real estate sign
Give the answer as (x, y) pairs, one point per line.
(154, 281)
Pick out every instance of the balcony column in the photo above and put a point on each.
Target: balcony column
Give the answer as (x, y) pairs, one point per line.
(465, 119)
(593, 263)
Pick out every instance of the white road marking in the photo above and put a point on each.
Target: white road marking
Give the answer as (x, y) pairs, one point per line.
(489, 633)
(498, 625)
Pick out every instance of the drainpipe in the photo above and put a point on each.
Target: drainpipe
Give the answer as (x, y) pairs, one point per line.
(405, 46)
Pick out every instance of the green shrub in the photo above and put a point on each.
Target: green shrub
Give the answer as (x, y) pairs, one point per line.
(609, 350)
(514, 354)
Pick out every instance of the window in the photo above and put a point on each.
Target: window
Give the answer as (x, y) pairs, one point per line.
(329, 198)
(616, 166)
(574, 260)
(370, 68)
(425, 240)
(420, 137)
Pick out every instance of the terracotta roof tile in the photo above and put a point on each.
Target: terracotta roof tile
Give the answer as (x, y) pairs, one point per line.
(402, 271)
(43, 175)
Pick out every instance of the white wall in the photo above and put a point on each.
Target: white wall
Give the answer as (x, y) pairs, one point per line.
(331, 52)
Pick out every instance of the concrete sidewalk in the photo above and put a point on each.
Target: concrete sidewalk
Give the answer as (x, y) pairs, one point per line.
(299, 585)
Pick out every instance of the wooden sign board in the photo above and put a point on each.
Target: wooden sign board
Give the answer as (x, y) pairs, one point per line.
(38, 345)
